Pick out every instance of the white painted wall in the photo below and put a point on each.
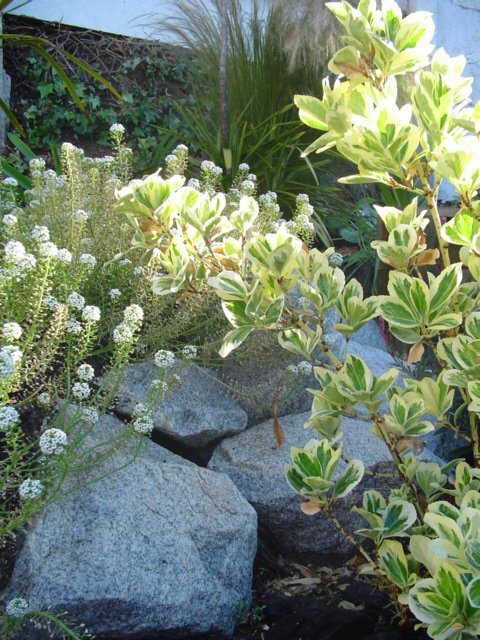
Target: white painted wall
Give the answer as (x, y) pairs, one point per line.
(125, 17)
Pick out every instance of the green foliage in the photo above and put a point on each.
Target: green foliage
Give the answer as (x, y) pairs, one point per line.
(426, 548)
(262, 127)
(143, 108)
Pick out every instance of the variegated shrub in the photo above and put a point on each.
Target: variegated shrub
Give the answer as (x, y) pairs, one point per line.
(404, 119)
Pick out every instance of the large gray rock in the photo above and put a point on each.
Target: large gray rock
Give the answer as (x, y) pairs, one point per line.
(257, 466)
(257, 376)
(370, 336)
(157, 547)
(195, 412)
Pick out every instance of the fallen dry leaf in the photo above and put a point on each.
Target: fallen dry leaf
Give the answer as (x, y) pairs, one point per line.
(416, 352)
(345, 604)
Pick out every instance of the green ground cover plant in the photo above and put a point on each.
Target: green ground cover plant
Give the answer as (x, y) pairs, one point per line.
(424, 534)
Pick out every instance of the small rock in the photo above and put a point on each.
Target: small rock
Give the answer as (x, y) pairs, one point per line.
(196, 412)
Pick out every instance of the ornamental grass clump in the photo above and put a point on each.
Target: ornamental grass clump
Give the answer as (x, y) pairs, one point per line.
(424, 536)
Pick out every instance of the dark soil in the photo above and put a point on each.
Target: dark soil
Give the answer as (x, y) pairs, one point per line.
(293, 601)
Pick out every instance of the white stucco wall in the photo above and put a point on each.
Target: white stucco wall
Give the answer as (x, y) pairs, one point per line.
(125, 17)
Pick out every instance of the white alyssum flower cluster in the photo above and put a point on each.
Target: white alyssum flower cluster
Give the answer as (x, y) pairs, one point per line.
(64, 255)
(114, 293)
(9, 417)
(117, 129)
(88, 260)
(91, 314)
(44, 399)
(189, 352)
(132, 319)
(81, 390)
(11, 331)
(303, 368)
(47, 250)
(40, 234)
(159, 385)
(164, 359)
(122, 334)
(7, 364)
(90, 415)
(143, 424)
(9, 220)
(53, 441)
(51, 302)
(73, 326)
(17, 607)
(30, 489)
(76, 301)
(86, 372)
(14, 251)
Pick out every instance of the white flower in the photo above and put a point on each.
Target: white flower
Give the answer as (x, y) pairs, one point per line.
(9, 417)
(86, 372)
(64, 256)
(303, 197)
(48, 249)
(218, 171)
(81, 390)
(7, 365)
(124, 262)
(164, 359)
(44, 399)
(138, 271)
(143, 424)
(122, 333)
(243, 166)
(133, 314)
(290, 225)
(25, 264)
(17, 607)
(73, 326)
(76, 301)
(304, 368)
(30, 489)
(68, 147)
(248, 187)
(175, 378)
(189, 352)
(293, 369)
(11, 331)
(10, 182)
(194, 183)
(88, 260)
(207, 165)
(160, 385)
(139, 409)
(53, 441)
(114, 293)
(14, 352)
(80, 216)
(117, 129)
(180, 148)
(40, 234)
(91, 314)
(37, 164)
(51, 303)
(90, 415)
(9, 220)
(156, 253)
(14, 251)
(302, 220)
